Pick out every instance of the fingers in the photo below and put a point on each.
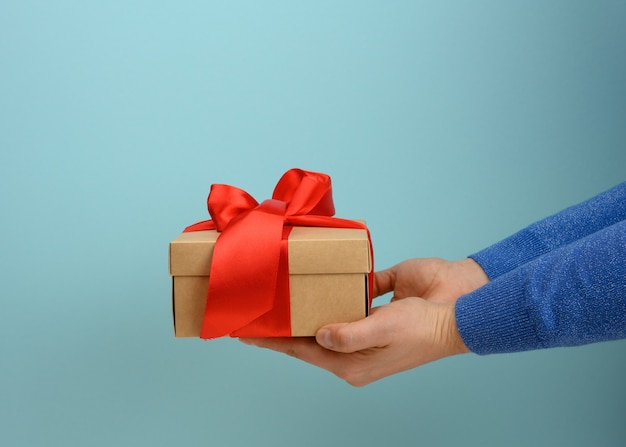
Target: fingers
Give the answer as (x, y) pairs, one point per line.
(303, 348)
(359, 352)
(352, 337)
(384, 281)
(331, 341)
(293, 347)
(338, 338)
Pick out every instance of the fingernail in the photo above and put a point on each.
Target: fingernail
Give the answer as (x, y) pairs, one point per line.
(323, 338)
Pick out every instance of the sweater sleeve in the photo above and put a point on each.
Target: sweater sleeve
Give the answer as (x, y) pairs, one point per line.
(553, 232)
(573, 295)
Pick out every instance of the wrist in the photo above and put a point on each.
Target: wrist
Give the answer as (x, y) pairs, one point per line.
(474, 275)
(455, 343)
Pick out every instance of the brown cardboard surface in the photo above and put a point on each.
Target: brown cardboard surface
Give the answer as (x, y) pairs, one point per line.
(317, 300)
(188, 302)
(328, 277)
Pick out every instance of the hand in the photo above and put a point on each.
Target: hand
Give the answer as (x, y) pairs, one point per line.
(433, 279)
(404, 334)
(395, 337)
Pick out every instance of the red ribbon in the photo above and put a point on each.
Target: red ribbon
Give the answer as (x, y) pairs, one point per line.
(249, 279)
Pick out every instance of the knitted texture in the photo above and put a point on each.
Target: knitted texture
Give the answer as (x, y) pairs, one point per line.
(553, 232)
(560, 282)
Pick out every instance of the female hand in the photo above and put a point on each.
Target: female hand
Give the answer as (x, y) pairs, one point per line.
(395, 337)
(404, 334)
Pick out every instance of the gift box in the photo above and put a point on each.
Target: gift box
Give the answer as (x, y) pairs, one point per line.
(281, 268)
(328, 278)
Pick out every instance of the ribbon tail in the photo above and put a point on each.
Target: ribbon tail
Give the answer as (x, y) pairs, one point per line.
(243, 273)
(276, 322)
(201, 226)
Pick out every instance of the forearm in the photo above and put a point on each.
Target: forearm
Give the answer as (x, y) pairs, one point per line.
(556, 231)
(570, 296)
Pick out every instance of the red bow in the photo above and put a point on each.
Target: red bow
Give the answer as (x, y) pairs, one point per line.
(249, 279)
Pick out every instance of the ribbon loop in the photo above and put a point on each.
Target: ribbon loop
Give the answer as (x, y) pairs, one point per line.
(305, 192)
(226, 202)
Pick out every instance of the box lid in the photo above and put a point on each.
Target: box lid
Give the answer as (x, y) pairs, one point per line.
(312, 250)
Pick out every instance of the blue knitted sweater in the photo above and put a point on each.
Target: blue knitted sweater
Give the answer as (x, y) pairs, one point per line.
(559, 282)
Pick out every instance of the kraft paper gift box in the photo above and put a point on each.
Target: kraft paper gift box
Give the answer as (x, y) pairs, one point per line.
(328, 277)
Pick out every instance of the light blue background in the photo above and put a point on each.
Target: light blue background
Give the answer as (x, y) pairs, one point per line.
(446, 125)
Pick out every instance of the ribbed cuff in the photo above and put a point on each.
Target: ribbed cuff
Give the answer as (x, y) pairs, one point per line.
(494, 319)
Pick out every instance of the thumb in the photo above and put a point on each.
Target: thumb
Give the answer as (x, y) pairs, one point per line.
(384, 281)
(349, 337)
